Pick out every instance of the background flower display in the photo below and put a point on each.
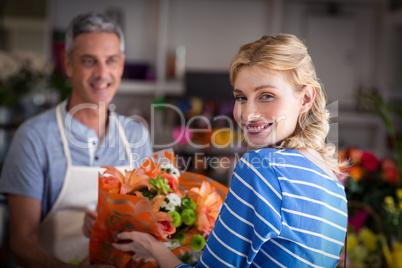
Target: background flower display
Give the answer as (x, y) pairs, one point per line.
(374, 191)
(365, 249)
(375, 206)
(20, 72)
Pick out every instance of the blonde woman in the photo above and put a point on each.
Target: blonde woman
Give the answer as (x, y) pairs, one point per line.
(285, 206)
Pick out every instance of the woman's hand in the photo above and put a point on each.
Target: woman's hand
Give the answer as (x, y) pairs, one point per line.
(146, 247)
(141, 245)
(89, 221)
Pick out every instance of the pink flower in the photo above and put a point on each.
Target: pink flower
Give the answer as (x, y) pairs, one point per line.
(164, 219)
(389, 171)
(205, 221)
(167, 227)
(209, 203)
(370, 161)
(109, 184)
(171, 181)
(132, 181)
(358, 221)
(355, 155)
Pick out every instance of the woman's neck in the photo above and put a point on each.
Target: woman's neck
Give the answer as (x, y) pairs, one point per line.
(318, 160)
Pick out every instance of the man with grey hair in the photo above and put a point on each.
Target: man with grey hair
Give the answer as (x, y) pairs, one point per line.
(50, 174)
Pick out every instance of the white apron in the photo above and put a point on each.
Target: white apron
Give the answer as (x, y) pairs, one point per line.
(60, 233)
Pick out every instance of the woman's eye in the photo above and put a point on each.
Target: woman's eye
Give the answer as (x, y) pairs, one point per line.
(266, 97)
(240, 98)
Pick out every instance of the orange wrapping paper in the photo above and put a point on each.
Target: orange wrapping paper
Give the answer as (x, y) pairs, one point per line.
(121, 212)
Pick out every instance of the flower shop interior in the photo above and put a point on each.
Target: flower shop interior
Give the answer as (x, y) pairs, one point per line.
(176, 81)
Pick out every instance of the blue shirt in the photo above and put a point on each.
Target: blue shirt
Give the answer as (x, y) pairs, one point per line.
(35, 165)
(281, 211)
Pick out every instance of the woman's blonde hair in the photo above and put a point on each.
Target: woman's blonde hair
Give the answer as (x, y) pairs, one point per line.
(287, 53)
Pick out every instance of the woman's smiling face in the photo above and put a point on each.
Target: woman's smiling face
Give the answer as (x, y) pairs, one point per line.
(266, 106)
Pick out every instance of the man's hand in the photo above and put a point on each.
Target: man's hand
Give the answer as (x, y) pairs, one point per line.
(89, 221)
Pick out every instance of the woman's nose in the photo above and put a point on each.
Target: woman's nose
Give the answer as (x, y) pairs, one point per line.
(249, 112)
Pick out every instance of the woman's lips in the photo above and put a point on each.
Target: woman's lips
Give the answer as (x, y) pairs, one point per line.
(256, 128)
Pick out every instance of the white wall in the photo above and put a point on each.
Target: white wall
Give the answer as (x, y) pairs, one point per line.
(212, 31)
(138, 20)
(343, 46)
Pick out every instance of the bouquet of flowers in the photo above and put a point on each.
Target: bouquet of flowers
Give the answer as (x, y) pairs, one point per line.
(178, 208)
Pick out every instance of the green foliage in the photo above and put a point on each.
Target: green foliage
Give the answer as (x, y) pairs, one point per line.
(160, 185)
(180, 236)
(147, 193)
(389, 112)
(59, 82)
(176, 218)
(197, 242)
(188, 216)
(191, 257)
(186, 202)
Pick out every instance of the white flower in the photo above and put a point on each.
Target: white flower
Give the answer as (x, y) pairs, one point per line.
(13, 63)
(169, 168)
(32, 62)
(8, 67)
(21, 72)
(168, 206)
(164, 204)
(171, 207)
(174, 199)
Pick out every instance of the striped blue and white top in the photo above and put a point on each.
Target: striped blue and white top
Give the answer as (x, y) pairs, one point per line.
(281, 211)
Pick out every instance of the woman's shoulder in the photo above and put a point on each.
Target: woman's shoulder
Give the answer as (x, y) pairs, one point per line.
(273, 155)
(266, 159)
(283, 159)
(318, 161)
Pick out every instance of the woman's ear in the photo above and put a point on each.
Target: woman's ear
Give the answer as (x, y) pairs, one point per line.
(307, 98)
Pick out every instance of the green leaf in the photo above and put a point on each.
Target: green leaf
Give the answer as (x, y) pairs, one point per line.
(160, 185)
